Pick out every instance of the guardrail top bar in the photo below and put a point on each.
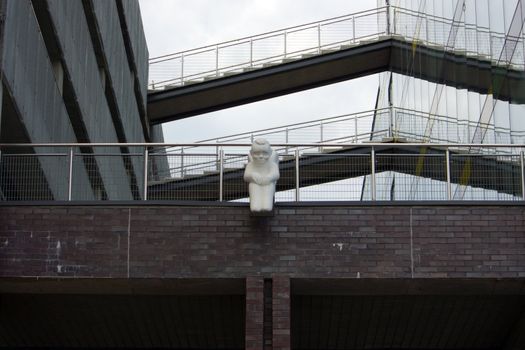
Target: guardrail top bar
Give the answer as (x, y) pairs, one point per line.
(349, 145)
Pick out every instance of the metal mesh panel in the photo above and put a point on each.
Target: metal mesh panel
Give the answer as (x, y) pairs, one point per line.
(486, 177)
(332, 176)
(411, 177)
(234, 187)
(22, 177)
(192, 176)
(98, 187)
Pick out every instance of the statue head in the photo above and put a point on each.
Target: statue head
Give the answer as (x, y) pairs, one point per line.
(260, 151)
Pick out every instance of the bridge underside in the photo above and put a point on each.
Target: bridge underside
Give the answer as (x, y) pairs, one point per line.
(351, 163)
(431, 63)
(211, 314)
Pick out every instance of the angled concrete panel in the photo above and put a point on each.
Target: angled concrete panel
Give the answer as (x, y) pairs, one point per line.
(74, 38)
(31, 84)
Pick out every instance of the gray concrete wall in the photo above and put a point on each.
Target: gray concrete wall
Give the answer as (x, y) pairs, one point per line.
(120, 78)
(29, 79)
(74, 38)
(138, 42)
(159, 162)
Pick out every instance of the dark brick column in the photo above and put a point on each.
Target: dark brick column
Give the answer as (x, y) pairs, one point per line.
(254, 313)
(281, 313)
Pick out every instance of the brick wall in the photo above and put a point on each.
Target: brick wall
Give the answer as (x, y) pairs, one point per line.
(354, 242)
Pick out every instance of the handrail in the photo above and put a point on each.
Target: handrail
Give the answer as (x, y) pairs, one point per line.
(326, 144)
(178, 68)
(272, 32)
(492, 170)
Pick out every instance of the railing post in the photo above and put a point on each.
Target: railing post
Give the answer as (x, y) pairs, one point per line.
(221, 174)
(217, 157)
(182, 69)
(522, 161)
(251, 52)
(355, 127)
(321, 135)
(353, 29)
(297, 185)
(319, 38)
(387, 17)
(394, 22)
(181, 162)
(217, 61)
(426, 28)
(373, 174)
(146, 159)
(285, 44)
(286, 139)
(447, 166)
(70, 175)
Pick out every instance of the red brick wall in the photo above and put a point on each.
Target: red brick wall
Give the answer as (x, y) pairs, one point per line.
(353, 242)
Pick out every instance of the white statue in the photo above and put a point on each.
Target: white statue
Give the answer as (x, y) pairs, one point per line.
(262, 172)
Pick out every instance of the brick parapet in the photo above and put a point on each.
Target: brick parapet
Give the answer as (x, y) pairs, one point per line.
(189, 242)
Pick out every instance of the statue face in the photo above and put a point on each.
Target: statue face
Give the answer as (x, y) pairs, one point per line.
(260, 155)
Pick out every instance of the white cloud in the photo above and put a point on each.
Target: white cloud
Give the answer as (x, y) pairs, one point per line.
(177, 25)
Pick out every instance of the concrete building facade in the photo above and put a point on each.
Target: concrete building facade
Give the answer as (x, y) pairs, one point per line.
(75, 71)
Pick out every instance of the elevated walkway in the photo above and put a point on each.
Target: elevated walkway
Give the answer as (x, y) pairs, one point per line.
(466, 167)
(368, 45)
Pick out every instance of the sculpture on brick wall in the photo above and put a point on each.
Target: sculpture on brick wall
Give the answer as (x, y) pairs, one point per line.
(262, 173)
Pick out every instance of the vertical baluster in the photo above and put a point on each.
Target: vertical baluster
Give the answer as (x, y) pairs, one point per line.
(373, 174)
(182, 69)
(522, 161)
(251, 52)
(319, 38)
(285, 44)
(221, 174)
(447, 166)
(217, 61)
(146, 159)
(297, 185)
(70, 175)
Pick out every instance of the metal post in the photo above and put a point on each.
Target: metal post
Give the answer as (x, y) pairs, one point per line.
(221, 174)
(251, 52)
(286, 139)
(387, 17)
(319, 38)
(522, 175)
(181, 162)
(373, 174)
(426, 29)
(355, 127)
(182, 69)
(391, 126)
(217, 61)
(449, 183)
(70, 175)
(394, 21)
(297, 186)
(353, 29)
(146, 158)
(321, 131)
(285, 44)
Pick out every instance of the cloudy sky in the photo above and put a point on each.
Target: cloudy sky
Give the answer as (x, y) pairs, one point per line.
(176, 25)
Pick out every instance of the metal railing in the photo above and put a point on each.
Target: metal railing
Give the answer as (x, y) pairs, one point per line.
(309, 172)
(394, 123)
(281, 46)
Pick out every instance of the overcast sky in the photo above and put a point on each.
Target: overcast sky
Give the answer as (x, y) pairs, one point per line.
(176, 25)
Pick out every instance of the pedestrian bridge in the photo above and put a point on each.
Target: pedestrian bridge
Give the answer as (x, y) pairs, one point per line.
(392, 39)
